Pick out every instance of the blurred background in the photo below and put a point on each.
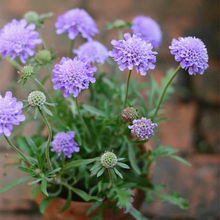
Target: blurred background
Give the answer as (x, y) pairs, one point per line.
(194, 117)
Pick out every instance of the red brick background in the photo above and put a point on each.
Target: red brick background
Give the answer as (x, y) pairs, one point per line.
(194, 121)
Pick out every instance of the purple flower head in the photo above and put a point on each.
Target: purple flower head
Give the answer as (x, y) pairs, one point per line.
(192, 54)
(147, 29)
(143, 128)
(10, 113)
(92, 50)
(72, 76)
(64, 142)
(133, 52)
(76, 21)
(18, 38)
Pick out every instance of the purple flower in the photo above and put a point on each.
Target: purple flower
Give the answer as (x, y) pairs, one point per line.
(64, 142)
(143, 128)
(192, 54)
(72, 76)
(133, 51)
(76, 21)
(10, 113)
(147, 29)
(18, 38)
(94, 51)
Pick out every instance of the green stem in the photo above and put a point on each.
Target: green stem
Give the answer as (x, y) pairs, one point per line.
(14, 63)
(80, 117)
(17, 150)
(41, 86)
(71, 48)
(127, 86)
(164, 90)
(110, 178)
(48, 140)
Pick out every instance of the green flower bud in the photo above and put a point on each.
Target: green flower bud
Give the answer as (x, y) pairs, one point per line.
(26, 72)
(109, 160)
(36, 99)
(31, 17)
(43, 56)
(129, 114)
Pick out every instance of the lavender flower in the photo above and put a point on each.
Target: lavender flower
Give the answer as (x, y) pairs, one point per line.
(192, 54)
(94, 51)
(64, 142)
(143, 128)
(133, 51)
(147, 29)
(17, 38)
(72, 76)
(10, 113)
(76, 21)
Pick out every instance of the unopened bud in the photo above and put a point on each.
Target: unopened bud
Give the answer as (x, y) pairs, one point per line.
(43, 56)
(129, 114)
(109, 160)
(36, 99)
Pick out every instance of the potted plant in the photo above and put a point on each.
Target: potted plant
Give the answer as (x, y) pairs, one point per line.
(88, 158)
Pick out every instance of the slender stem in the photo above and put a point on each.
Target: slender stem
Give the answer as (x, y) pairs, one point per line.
(127, 86)
(80, 117)
(14, 63)
(110, 178)
(164, 90)
(48, 140)
(41, 86)
(71, 48)
(17, 150)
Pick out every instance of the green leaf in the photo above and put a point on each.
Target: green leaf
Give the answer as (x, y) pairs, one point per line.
(77, 163)
(68, 202)
(93, 207)
(123, 165)
(44, 186)
(181, 160)
(93, 110)
(100, 172)
(35, 191)
(15, 183)
(118, 173)
(132, 159)
(44, 204)
(136, 214)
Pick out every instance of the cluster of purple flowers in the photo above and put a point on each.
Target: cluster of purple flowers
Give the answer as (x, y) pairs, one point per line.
(18, 38)
(133, 52)
(94, 51)
(143, 128)
(64, 142)
(73, 75)
(76, 21)
(192, 54)
(10, 113)
(147, 29)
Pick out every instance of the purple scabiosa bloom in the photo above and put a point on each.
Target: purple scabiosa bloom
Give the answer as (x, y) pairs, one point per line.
(133, 52)
(92, 50)
(18, 38)
(10, 113)
(143, 128)
(192, 54)
(64, 142)
(72, 76)
(147, 29)
(76, 21)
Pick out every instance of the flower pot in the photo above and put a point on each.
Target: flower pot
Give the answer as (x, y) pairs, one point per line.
(77, 210)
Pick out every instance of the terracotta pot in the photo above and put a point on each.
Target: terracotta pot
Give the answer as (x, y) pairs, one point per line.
(78, 210)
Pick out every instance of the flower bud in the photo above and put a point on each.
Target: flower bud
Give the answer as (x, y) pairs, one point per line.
(109, 160)
(31, 17)
(26, 72)
(129, 114)
(43, 56)
(36, 99)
